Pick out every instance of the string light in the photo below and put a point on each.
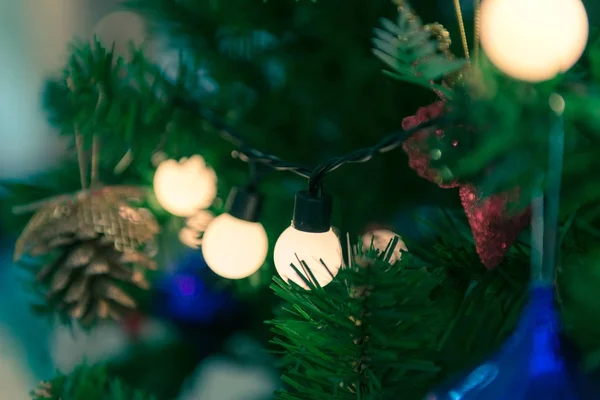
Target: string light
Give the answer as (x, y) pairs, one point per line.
(380, 239)
(235, 245)
(246, 153)
(194, 228)
(122, 29)
(534, 40)
(185, 187)
(309, 244)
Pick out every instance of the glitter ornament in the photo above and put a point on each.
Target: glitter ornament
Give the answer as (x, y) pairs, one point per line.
(96, 244)
(493, 227)
(416, 147)
(531, 365)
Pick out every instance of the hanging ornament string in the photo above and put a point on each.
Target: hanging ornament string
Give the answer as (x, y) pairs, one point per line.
(80, 158)
(82, 164)
(545, 207)
(95, 161)
(477, 30)
(461, 26)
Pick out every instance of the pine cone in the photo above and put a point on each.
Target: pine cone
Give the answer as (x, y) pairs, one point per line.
(97, 242)
(43, 391)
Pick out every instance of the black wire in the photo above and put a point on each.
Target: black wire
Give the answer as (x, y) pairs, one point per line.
(249, 154)
(390, 142)
(315, 176)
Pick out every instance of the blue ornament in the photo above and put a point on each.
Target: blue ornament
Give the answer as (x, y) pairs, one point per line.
(184, 296)
(529, 367)
(192, 260)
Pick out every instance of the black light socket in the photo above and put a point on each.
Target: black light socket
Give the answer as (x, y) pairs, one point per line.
(311, 213)
(244, 204)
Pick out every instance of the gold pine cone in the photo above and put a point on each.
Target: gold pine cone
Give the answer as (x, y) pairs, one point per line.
(98, 243)
(43, 391)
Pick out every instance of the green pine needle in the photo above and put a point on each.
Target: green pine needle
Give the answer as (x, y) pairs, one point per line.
(88, 383)
(412, 54)
(395, 331)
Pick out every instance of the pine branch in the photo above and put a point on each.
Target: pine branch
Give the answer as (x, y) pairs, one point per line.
(200, 27)
(353, 340)
(245, 46)
(503, 142)
(380, 331)
(413, 54)
(578, 277)
(131, 107)
(90, 383)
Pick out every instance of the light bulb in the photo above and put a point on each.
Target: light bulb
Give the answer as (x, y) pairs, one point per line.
(195, 226)
(533, 40)
(381, 239)
(294, 246)
(121, 29)
(190, 238)
(234, 248)
(183, 188)
(309, 243)
(235, 244)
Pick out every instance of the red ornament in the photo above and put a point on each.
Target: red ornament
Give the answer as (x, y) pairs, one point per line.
(493, 227)
(416, 147)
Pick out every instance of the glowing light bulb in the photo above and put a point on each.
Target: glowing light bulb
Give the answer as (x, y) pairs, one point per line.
(381, 239)
(534, 40)
(195, 226)
(294, 246)
(185, 187)
(121, 29)
(234, 248)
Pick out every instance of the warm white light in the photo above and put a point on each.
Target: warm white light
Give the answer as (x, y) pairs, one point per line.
(534, 40)
(294, 246)
(122, 29)
(234, 248)
(193, 231)
(190, 238)
(381, 239)
(183, 188)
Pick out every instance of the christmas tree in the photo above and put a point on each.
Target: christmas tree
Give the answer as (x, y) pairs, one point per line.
(423, 244)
